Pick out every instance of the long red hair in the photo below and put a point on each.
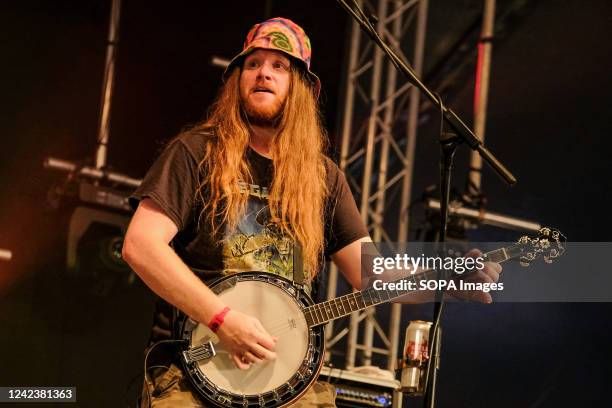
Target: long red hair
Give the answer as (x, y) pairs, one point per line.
(297, 194)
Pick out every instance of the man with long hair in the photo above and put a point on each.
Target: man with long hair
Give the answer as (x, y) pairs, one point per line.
(247, 189)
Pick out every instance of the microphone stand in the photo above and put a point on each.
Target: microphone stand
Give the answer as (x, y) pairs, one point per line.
(448, 146)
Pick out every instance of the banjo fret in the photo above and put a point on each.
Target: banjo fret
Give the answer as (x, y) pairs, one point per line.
(358, 297)
(323, 311)
(345, 304)
(318, 315)
(336, 309)
(329, 311)
(367, 298)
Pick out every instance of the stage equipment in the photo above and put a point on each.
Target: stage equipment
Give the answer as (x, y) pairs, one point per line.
(356, 389)
(99, 172)
(106, 207)
(481, 92)
(112, 228)
(448, 145)
(219, 62)
(5, 255)
(299, 328)
(95, 239)
(463, 133)
(101, 214)
(374, 104)
(107, 84)
(99, 219)
(104, 196)
(484, 217)
(95, 174)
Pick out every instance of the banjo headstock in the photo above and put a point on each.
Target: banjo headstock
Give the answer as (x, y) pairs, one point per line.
(548, 244)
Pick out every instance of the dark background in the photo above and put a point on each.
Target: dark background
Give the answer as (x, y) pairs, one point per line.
(547, 120)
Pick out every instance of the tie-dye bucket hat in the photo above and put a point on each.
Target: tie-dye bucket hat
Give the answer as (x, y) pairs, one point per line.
(280, 34)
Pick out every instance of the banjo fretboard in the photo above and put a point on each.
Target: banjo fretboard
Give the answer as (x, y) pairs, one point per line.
(342, 306)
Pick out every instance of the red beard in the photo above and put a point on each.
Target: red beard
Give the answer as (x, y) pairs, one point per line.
(262, 115)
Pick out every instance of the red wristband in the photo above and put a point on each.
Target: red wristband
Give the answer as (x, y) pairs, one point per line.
(217, 320)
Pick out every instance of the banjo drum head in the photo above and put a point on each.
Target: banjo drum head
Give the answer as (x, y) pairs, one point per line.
(281, 315)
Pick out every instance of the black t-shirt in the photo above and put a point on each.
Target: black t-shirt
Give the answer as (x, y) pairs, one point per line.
(256, 244)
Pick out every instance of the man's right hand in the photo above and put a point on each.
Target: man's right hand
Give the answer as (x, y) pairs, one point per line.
(146, 250)
(246, 339)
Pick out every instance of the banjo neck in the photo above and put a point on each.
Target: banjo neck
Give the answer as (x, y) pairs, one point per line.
(342, 306)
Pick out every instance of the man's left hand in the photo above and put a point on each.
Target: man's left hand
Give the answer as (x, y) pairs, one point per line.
(488, 274)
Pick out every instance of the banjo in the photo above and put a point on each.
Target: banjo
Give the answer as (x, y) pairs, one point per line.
(288, 313)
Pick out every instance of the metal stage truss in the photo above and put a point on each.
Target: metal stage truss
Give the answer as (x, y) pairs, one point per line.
(375, 98)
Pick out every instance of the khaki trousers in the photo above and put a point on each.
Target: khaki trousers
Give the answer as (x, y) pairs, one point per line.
(170, 389)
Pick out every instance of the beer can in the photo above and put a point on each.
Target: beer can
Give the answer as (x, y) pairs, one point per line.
(416, 344)
(416, 354)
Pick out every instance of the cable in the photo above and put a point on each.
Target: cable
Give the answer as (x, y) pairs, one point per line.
(146, 374)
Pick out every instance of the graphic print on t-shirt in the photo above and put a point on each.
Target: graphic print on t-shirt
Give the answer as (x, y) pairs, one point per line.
(257, 243)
